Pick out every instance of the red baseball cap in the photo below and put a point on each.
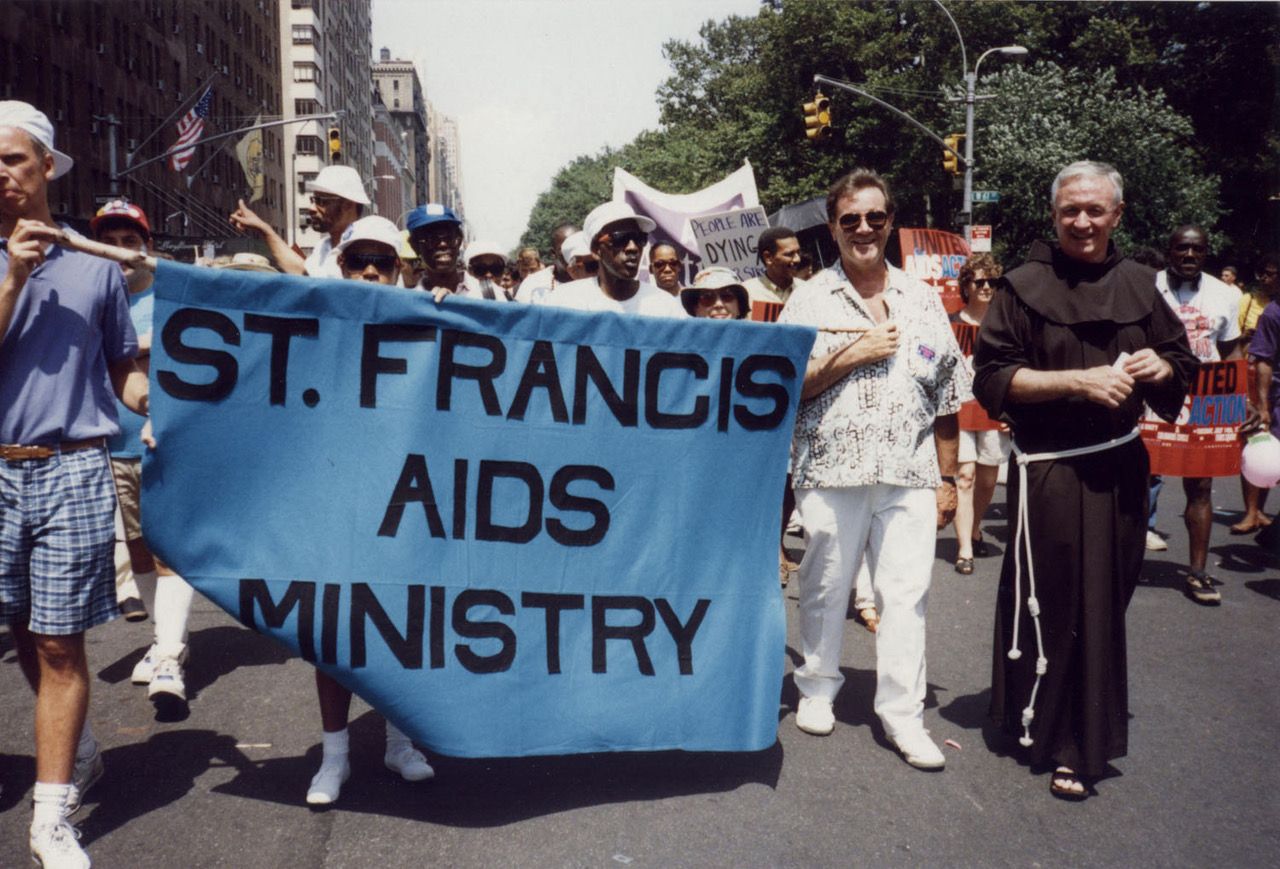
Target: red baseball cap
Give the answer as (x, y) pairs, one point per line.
(120, 209)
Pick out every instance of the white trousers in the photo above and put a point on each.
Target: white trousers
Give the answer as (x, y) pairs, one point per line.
(896, 527)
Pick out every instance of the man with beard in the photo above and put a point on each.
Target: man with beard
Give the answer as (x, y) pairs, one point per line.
(779, 250)
(435, 232)
(1074, 343)
(616, 236)
(1209, 310)
(535, 288)
(337, 201)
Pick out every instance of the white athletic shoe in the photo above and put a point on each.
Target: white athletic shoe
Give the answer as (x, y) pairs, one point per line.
(919, 750)
(1155, 543)
(814, 715)
(84, 775)
(146, 668)
(327, 783)
(168, 680)
(57, 846)
(408, 762)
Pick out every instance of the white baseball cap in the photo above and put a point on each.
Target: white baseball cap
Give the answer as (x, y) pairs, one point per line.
(342, 181)
(35, 123)
(574, 245)
(483, 248)
(612, 212)
(373, 228)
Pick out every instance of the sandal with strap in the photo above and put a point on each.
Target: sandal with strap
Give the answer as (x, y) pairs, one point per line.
(964, 566)
(1066, 785)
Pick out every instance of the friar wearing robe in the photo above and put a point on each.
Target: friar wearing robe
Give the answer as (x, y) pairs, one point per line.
(1075, 341)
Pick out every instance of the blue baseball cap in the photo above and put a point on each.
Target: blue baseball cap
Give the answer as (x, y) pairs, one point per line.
(432, 212)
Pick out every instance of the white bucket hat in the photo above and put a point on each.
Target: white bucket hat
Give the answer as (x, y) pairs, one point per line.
(373, 228)
(612, 212)
(574, 245)
(483, 248)
(341, 181)
(32, 121)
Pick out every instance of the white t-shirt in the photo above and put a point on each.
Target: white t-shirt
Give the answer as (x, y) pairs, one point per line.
(1209, 309)
(533, 290)
(586, 295)
(323, 261)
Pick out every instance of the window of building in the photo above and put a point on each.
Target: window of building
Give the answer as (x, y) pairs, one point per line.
(304, 34)
(306, 107)
(306, 72)
(307, 144)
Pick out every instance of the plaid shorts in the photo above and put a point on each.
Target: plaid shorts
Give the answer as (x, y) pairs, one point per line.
(57, 536)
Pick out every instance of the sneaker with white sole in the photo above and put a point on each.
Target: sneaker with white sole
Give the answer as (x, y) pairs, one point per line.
(814, 715)
(1155, 543)
(919, 750)
(408, 762)
(327, 783)
(168, 679)
(57, 846)
(146, 668)
(84, 775)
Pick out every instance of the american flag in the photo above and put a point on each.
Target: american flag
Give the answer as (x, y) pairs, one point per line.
(190, 129)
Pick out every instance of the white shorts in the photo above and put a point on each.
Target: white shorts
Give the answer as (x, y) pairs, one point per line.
(990, 447)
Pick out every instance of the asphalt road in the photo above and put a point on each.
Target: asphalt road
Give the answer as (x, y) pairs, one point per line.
(225, 786)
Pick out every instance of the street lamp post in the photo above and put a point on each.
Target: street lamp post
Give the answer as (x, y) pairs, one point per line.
(970, 97)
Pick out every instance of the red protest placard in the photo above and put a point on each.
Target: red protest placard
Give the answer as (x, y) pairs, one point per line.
(935, 257)
(766, 312)
(972, 416)
(1205, 439)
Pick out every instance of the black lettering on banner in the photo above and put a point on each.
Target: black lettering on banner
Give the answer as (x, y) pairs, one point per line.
(561, 499)
(223, 363)
(602, 631)
(414, 485)
(483, 375)
(683, 633)
(437, 627)
(330, 601)
(372, 364)
(749, 388)
(299, 594)
(486, 528)
(625, 407)
(281, 330)
(553, 604)
(459, 499)
(406, 647)
(725, 404)
(540, 372)
(501, 660)
(660, 362)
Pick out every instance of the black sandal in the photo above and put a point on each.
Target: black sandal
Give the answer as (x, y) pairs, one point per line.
(980, 547)
(1063, 784)
(964, 566)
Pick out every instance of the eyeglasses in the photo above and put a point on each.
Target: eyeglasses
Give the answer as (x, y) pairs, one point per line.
(358, 262)
(428, 239)
(875, 220)
(984, 282)
(490, 269)
(659, 265)
(707, 298)
(320, 200)
(620, 238)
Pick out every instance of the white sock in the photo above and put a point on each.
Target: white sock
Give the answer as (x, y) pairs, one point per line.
(397, 738)
(87, 743)
(50, 800)
(336, 745)
(172, 608)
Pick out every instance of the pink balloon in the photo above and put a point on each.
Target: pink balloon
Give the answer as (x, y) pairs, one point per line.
(1260, 461)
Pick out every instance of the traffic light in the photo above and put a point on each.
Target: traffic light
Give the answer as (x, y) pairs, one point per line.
(817, 118)
(950, 162)
(335, 145)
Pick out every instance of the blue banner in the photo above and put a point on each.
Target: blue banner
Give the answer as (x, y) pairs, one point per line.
(513, 530)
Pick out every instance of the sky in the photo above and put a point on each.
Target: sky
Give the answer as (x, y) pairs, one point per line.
(535, 83)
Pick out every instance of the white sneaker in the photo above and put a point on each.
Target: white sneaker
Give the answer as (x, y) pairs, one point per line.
(84, 775)
(410, 763)
(814, 715)
(919, 750)
(57, 846)
(1155, 543)
(146, 668)
(168, 680)
(327, 783)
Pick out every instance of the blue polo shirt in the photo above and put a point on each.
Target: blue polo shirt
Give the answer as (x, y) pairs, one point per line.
(71, 321)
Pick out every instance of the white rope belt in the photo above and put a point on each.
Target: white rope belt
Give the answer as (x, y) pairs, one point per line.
(1021, 545)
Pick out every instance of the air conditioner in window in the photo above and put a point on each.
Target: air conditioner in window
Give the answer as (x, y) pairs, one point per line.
(160, 85)
(216, 178)
(199, 48)
(225, 71)
(177, 28)
(102, 48)
(237, 79)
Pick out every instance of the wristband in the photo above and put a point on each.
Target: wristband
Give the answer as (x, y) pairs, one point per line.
(947, 478)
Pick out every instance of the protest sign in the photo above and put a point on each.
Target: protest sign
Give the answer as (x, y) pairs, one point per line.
(728, 240)
(1204, 441)
(935, 257)
(513, 530)
(972, 416)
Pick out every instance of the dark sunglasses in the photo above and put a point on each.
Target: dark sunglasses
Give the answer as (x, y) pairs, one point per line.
(620, 238)
(707, 298)
(663, 264)
(358, 262)
(323, 201)
(493, 270)
(984, 282)
(874, 220)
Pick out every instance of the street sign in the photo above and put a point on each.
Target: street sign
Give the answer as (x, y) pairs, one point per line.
(979, 236)
(986, 196)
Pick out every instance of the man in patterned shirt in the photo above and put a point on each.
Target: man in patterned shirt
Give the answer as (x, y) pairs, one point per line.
(873, 461)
